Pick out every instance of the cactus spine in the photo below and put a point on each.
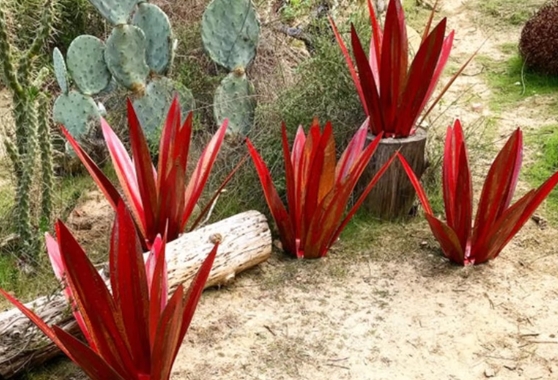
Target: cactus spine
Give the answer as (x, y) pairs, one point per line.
(25, 88)
(230, 34)
(137, 55)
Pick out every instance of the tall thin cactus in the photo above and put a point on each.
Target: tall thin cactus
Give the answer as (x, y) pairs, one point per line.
(25, 85)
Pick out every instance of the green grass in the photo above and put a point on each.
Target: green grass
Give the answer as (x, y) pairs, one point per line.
(511, 83)
(545, 143)
(505, 13)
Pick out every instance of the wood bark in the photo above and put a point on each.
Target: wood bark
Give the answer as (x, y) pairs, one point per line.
(393, 196)
(245, 242)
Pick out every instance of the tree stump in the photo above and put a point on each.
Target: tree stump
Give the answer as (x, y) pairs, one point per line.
(245, 242)
(393, 196)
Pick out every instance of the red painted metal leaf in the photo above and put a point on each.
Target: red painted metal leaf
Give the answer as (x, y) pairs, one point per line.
(419, 79)
(362, 198)
(350, 64)
(375, 44)
(98, 176)
(144, 173)
(37, 321)
(201, 173)
(499, 186)
(444, 56)
(129, 288)
(60, 273)
(393, 67)
(168, 143)
(463, 206)
(352, 152)
(446, 236)
(167, 336)
(100, 314)
(94, 366)
(416, 184)
(226, 181)
(193, 294)
(278, 211)
(158, 286)
(171, 203)
(126, 174)
(370, 87)
(449, 83)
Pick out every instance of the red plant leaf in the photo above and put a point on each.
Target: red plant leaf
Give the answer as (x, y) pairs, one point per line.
(100, 314)
(362, 197)
(88, 360)
(394, 62)
(350, 64)
(158, 289)
(370, 87)
(201, 173)
(418, 80)
(499, 186)
(168, 143)
(350, 154)
(126, 174)
(129, 287)
(216, 193)
(444, 56)
(375, 44)
(276, 207)
(176, 319)
(416, 184)
(60, 273)
(447, 238)
(98, 176)
(144, 173)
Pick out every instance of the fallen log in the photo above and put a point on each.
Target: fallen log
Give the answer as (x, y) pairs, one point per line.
(245, 241)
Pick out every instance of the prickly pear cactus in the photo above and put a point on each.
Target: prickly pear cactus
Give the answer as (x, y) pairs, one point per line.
(86, 64)
(60, 71)
(230, 32)
(77, 112)
(234, 100)
(153, 107)
(117, 12)
(156, 26)
(125, 57)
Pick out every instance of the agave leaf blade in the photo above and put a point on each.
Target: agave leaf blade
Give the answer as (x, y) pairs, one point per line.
(416, 184)
(87, 359)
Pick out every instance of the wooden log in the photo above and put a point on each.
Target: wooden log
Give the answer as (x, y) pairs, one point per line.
(245, 242)
(393, 196)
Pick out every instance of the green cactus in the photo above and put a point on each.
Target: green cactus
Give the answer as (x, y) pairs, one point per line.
(234, 100)
(125, 57)
(47, 170)
(230, 32)
(25, 84)
(86, 64)
(77, 112)
(117, 12)
(60, 71)
(156, 26)
(153, 107)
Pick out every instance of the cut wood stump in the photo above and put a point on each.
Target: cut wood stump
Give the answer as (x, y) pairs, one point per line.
(393, 196)
(245, 241)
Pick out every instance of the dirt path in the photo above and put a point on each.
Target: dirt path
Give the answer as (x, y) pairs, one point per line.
(396, 310)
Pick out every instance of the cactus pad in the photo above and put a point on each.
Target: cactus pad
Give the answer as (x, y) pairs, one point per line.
(152, 108)
(125, 57)
(76, 112)
(230, 32)
(115, 11)
(60, 70)
(156, 26)
(86, 63)
(234, 100)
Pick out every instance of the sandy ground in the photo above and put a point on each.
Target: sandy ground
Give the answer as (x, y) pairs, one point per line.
(393, 310)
